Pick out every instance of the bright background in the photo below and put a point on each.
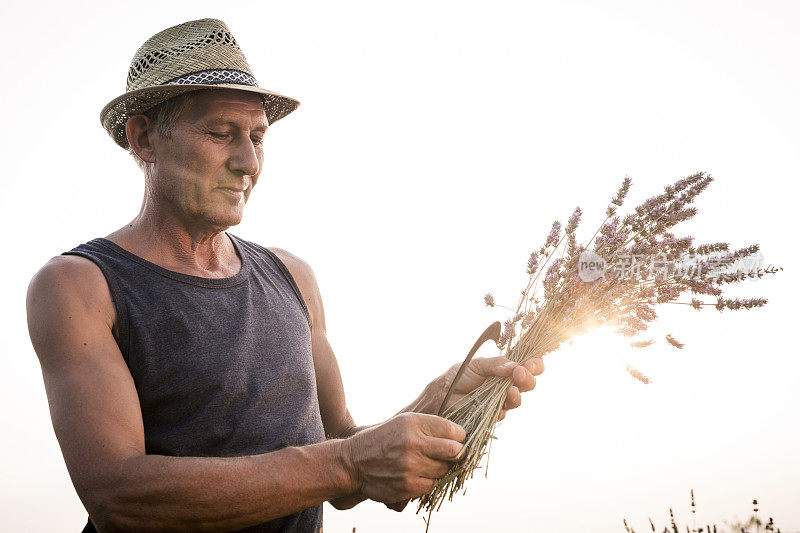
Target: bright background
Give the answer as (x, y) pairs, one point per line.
(436, 143)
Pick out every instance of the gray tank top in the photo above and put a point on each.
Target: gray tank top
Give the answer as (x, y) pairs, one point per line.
(222, 366)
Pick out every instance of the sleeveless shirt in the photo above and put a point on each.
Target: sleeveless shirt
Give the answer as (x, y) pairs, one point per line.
(222, 366)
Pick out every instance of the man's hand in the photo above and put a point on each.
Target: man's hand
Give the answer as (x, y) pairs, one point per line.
(427, 404)
(403, 457)
(473, 376)
(481, 368)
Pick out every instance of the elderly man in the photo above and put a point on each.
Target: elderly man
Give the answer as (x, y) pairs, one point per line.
(190, 381)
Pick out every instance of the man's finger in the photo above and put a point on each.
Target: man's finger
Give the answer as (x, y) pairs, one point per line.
(523, 378)
(535, 365)
(434, 470)
(437, 426)
(513, 398)
(443, 449)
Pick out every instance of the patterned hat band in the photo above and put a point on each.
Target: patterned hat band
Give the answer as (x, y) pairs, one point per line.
(214, 76)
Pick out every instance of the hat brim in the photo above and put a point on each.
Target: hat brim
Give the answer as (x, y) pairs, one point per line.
(116, 113)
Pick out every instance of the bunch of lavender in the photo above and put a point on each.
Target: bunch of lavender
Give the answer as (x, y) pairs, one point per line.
(562, 298)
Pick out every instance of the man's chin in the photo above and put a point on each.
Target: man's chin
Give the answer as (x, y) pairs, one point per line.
(223, 221)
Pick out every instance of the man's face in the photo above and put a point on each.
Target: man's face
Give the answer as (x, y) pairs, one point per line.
(208, 168)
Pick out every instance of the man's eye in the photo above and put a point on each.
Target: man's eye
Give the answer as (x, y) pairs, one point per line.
(258, 141)
(219, 135)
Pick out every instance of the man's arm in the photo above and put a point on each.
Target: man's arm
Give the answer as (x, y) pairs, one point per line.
(97, 420)
(336, 417)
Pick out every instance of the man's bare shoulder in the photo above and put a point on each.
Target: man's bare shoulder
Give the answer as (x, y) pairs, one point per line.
(68, 285)
(307, 283)
(67, 273)
(297, 266)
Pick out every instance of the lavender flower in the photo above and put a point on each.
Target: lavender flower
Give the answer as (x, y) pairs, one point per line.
(527, 319)
(675, 343)
(533, 263)
(748, 250)
(638, 375)
(618, 199)
(736, 304)
(507, 334)
(642, 344)
(574, 220)
(551, 278)
(488, 299)
(553, 237)
(705, 249)
(667, 293)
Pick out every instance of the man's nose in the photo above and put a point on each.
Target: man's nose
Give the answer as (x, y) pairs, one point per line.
(244, 158)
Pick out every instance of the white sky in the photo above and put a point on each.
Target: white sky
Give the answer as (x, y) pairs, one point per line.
(436, 143)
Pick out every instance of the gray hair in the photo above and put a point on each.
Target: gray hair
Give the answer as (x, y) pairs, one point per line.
(164, 116)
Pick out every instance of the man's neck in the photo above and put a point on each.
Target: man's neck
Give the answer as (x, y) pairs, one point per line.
(172, 244)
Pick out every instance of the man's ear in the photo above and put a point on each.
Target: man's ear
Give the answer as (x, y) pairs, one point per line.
(139, 129)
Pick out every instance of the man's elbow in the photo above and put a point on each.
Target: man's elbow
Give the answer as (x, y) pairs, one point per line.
(106, 517)
(346, 502)
(113, 518)
(107, 512)
(113, 507)
(104, 524)
(339, 506)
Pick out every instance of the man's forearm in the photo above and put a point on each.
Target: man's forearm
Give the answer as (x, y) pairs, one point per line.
(156, 493)
(430, 400)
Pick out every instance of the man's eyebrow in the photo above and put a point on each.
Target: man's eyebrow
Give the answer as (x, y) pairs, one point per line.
(223, 122)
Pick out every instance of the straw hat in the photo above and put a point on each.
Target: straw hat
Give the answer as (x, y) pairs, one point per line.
(199, 54)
